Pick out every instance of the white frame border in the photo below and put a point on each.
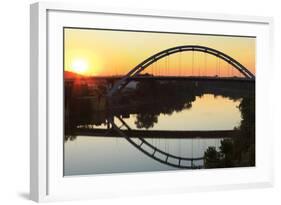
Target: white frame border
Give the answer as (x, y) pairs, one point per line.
(39, 82)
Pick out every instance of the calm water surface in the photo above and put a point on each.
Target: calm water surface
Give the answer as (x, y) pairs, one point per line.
(101, 155)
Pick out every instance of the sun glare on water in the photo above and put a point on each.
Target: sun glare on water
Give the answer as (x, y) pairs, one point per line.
(79, 66)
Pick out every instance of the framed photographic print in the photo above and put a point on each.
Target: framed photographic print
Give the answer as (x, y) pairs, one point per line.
(127, 102)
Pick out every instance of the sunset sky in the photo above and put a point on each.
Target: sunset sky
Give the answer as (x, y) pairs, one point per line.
(107, 52)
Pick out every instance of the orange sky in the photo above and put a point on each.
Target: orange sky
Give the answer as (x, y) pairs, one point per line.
(105, 52)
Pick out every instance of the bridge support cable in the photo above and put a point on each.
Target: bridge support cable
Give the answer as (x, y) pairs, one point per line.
(227, 64)
(180, 63)
(156, 71)
(168, 64)
(219, 67)
(192, 62)
(199, 67)
(216, 66)
(152, 71)
(205, 64)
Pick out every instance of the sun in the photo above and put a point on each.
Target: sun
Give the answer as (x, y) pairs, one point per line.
(79, 66)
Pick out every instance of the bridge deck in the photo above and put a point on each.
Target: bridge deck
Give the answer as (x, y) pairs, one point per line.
(158, 133)
(190, 78)
(169, 78)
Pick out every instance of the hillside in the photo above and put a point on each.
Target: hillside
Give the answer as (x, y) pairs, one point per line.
(72, 75)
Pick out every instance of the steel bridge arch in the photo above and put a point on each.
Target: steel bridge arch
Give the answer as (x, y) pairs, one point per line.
(165, 155)
(143, 65)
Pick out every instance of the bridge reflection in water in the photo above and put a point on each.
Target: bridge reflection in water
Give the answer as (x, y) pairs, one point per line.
(189, 124)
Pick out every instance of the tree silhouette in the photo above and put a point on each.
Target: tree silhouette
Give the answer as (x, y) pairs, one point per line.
(212, 157)
(146, 120)
(239, 151)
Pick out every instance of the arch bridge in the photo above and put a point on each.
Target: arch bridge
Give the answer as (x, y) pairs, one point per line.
(135, 72)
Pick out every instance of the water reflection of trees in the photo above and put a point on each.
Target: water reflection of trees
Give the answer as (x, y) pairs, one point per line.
(150, 99)
(146, 120)
(87, 105)
(237, 152)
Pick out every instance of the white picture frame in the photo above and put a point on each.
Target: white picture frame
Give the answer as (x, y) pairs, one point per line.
(46, 180)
